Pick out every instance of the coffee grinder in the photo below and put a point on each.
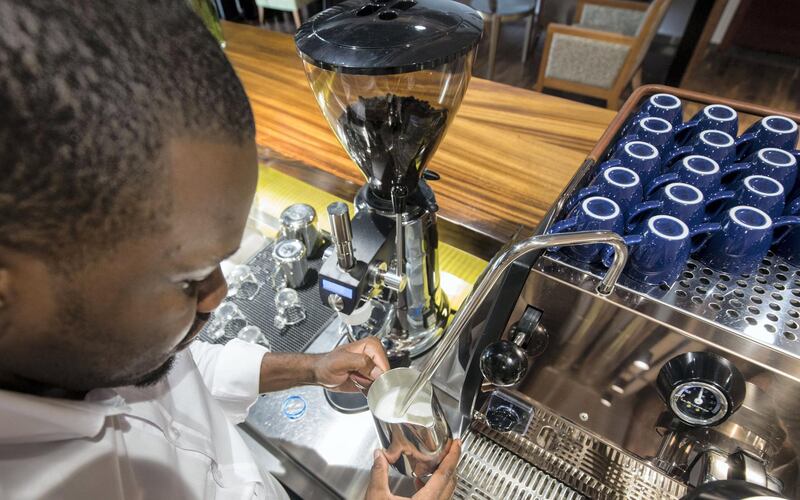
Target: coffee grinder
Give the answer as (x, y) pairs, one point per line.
(389, 76)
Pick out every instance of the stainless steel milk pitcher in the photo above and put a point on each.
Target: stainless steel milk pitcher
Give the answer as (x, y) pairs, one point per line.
(415, 441)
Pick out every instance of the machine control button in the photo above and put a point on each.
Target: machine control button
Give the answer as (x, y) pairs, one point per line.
(701, 388)
(336, 302)
(502, 418)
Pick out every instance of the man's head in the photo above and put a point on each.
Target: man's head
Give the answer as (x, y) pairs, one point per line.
(127, 167)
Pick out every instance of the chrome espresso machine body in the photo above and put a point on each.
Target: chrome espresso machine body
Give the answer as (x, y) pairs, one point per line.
(389, 78)
(629, 393)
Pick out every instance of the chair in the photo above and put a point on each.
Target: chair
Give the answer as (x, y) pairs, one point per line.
(292, 6)
(602, 52)
(494, 12)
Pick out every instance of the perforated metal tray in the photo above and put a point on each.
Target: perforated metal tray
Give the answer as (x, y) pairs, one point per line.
(488, 471)
(763, 307)
(585, 463)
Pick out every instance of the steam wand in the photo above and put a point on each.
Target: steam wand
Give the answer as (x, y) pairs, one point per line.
(492, 275)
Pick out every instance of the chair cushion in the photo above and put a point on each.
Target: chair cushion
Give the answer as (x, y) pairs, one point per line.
(614, 19)
(583, 60)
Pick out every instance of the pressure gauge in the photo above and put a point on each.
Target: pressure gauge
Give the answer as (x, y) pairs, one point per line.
(698, 403)
(701, 388)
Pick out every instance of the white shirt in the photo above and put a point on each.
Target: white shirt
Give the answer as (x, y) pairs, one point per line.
(173, 440)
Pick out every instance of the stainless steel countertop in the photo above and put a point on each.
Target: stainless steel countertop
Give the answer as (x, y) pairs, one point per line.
(324, 453)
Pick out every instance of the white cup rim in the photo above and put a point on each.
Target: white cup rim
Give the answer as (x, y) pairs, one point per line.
(657, 119)
(729, 139)
(676, 101)
(734, 211)
(748, 180)
(764, 122)
(791, 159)
(606, 176)
(587, 210)
(653, 154)
(698, 198)
(684, 229)
(686, 159)
(723, 106)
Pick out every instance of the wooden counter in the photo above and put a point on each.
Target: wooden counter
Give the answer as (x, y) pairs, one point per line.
(504, 160)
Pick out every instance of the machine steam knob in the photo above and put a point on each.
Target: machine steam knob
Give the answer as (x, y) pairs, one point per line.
(701, 388)
(504, 363)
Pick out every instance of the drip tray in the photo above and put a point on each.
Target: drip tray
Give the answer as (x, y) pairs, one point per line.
(346, 402)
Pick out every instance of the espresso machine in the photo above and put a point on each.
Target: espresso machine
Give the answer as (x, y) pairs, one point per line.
(389, 77)
(574, 381)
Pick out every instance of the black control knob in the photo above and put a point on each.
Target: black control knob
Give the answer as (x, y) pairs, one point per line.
(701, 388)
(504, 363)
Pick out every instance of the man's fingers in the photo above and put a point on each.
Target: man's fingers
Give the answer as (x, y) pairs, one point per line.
(447, 494)
(374, 349)
(361, 363)
(443, 480)
(378, 488)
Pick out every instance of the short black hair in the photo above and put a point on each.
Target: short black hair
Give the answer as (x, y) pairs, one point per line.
(90, 92)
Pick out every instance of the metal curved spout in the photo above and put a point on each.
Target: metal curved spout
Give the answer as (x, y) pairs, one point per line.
(494, 272)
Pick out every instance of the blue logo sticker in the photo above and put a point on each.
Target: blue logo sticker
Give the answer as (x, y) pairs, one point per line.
(294, 407)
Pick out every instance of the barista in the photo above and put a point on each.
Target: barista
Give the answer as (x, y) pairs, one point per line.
(127, 167)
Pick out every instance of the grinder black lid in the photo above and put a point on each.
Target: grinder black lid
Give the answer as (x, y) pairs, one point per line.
(382, 37)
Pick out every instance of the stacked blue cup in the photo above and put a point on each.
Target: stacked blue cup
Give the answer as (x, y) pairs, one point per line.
(677, 189)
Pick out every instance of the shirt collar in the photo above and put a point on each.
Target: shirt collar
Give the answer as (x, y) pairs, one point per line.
(25, 418)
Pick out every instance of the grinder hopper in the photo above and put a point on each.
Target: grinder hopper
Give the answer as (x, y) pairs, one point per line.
(389, 77)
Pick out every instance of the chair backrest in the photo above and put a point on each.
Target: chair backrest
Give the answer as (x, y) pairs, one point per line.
(610, 17)
(647, 31)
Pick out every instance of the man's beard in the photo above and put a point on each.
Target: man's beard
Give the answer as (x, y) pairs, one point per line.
(162, 371)
(155, 376)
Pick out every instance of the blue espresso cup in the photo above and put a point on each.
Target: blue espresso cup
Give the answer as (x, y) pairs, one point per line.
(712, 117)
(680, 200)
(770, 132)
(641, 157)
(592, 214)
(665, 106)
(788, 247)
(699, 171)
(617, 183)
(715, 144)
(747, 234)
(659, 251)
(773, 162)
(760, 191)
(652, 130)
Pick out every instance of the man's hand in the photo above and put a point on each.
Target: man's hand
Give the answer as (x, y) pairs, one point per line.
(362, 361)
(440, 486)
